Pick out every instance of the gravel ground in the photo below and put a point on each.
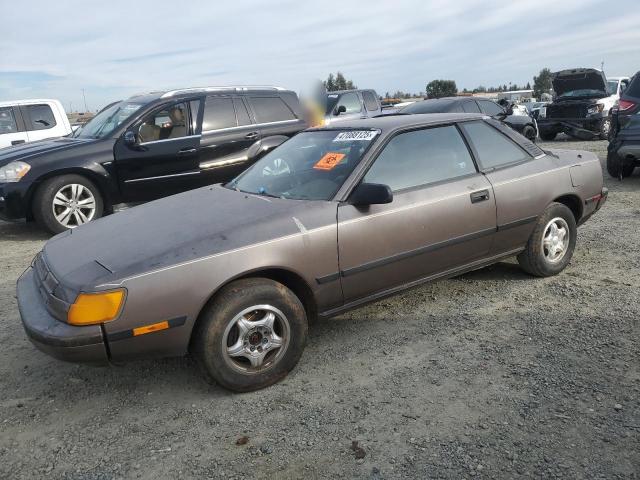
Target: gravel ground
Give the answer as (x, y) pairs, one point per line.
(493, 374)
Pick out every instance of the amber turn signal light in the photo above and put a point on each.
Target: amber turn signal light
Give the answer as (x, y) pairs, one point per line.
(92, 308)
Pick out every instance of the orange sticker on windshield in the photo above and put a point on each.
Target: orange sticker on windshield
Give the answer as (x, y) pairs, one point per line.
(329, 161)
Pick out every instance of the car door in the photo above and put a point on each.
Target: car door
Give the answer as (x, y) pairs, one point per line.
(164, 158)
(11, 127)
(519, 179)
(442, 215)
(352, 104)
(227, 134)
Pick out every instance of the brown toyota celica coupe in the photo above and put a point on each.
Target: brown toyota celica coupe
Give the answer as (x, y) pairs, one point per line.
(330, 220)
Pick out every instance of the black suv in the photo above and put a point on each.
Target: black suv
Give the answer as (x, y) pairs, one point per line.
(624, 143)
(522, 124)
(146, 147)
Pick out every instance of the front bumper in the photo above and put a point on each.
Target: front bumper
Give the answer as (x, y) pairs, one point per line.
(14, 200)
(53, 337)
(586, 128)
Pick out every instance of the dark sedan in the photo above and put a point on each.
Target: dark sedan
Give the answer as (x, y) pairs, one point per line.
(523, 124)
(330, 220)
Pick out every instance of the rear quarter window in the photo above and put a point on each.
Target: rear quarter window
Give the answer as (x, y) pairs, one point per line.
(270, 109)
(494, 149)
(38, 117)
(370, 101)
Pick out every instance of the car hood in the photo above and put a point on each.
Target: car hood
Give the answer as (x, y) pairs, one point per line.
(579, 79)
(177, 229)
(28, 152)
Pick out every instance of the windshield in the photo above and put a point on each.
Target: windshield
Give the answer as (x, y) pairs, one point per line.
(612, 87)
(108, 120)
(584, 92)
(311, 166)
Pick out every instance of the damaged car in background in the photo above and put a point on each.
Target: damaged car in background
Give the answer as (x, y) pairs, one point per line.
(582, 104)
(232, 273)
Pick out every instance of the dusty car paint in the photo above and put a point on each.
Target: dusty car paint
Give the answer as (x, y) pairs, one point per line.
(172, 255)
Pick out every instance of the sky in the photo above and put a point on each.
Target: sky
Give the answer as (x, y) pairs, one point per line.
(116, 49)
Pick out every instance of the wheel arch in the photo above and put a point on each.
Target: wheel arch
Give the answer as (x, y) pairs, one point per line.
(573, 203)
(101, 181)
(287, 277)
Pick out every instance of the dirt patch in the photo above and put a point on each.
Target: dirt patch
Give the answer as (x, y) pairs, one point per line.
(493, 374)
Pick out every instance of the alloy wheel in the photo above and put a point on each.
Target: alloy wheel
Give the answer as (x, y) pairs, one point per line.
(555, 240)
(74, 205)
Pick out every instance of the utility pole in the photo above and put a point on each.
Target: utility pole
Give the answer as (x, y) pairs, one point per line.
(85, 101)
(602, 65)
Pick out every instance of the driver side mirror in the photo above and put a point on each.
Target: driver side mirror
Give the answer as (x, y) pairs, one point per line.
(371, 194)
(340, 109)
(130, 139)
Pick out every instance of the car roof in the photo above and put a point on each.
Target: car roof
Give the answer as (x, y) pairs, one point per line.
(339, 92)
(387, 123)
(10, 103)
(151, 96)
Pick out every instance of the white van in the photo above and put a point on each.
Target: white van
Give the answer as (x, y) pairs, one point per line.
(24, 121)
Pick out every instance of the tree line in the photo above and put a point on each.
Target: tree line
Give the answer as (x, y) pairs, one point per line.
(448, 88)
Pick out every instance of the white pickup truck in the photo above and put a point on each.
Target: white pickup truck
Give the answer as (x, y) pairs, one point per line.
(23, 121)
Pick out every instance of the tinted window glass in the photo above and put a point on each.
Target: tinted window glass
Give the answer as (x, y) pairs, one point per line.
(470, 107)
(7, 121)
(39, 117)
(421, 157)
(633, 90)
(241, 112)
(195, 110)
(271, 109)
(370, 101)
(489, 107)
(494, 149)
(218, 113)
(168, 123)
(430, 106)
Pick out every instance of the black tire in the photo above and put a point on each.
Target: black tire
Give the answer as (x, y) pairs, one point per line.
(548, 136)
(529, 132)
(43, 202)
(215, 329)
(534, 259)
(617, 167)
(605, 128)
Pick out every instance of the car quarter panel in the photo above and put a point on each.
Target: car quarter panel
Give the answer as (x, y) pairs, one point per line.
(523, 191)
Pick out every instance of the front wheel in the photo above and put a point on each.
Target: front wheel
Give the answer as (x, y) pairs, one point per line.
(605, 128)
(251, 335)
(547, 136)
(529, 132)
(551, 245)
(66, 202)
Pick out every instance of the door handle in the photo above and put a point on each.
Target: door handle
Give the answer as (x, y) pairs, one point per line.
(251, 136)
(480, 196)
(17, 142)
(187, 151)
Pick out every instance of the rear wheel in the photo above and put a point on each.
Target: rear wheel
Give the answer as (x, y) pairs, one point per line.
(251, 335)
(548, 136)
(66, 202)
(617, 167)
(551, 245)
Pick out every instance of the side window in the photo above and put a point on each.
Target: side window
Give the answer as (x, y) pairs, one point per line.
(490, 108)
(370, 101)
(351, 102)
(470, 107)
(195, 110)
(218, 113)
(494, 149)
(241, 112)
(422, 157)
(39, 117)
(168, 123)
(271, 109)
(7, 121)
